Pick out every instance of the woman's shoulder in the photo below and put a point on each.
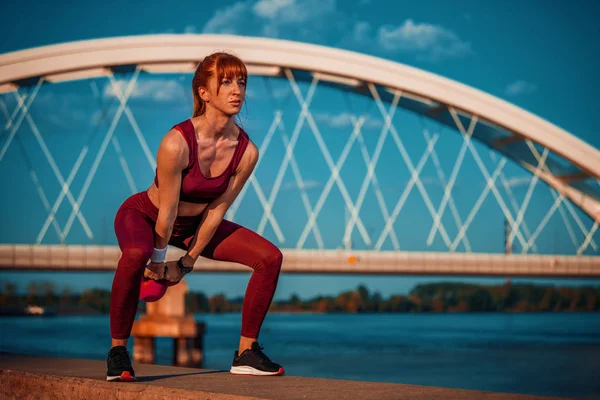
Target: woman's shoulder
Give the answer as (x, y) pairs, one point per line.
(182, 130)
(250, 152)
(175, 140)
(242, 134)
(184, 127)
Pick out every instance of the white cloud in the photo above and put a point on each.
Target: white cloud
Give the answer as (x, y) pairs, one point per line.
(316, 21)
(345, 120)
(294, 19)
(303, 16)
(335, 120)
(520, 87)
(430, 42)
(157, 89)
(306, 185)
(519, 181)
(361, 32)
(228, 19)
(190, 29)
(270, 8)
(283, 12)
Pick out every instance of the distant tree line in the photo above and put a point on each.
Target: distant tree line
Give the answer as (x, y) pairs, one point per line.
(44, 294)
(454, 297)
(433, 297)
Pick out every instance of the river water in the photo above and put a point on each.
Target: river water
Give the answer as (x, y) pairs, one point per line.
(555, 354)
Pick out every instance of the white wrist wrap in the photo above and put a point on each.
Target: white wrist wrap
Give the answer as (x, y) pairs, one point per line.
(158, 255)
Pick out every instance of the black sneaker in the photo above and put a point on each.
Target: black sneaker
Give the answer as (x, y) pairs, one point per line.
(254, 362)
(119, 365)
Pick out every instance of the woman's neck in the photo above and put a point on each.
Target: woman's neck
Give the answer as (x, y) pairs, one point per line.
(214, 124)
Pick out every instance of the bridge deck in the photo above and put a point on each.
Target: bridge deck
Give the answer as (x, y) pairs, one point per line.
(105, 258)
(25, 377)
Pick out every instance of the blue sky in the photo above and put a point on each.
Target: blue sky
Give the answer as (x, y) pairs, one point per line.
(539, 56)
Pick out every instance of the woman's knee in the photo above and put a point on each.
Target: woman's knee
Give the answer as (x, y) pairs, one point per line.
(137, 256)
(272, 261)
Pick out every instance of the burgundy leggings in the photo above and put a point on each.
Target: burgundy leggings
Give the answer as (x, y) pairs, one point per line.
(134, 226)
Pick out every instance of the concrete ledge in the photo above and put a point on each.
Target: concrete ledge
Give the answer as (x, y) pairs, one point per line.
(27, 377)
(20, 385)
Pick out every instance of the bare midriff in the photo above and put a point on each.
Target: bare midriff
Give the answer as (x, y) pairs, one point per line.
(184, 208)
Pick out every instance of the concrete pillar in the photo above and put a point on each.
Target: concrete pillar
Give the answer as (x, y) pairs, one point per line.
(181, 352)
(167, 318)
(144, 350)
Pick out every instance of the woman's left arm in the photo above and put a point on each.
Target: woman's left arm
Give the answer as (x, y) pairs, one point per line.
(215, 211)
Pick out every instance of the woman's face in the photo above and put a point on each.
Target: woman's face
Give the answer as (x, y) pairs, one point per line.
(230, 98)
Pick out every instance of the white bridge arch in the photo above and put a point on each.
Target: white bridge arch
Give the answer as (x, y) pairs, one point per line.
(539, 146)
(264, 56)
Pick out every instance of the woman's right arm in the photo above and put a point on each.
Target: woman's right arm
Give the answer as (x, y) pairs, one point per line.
(172, 159)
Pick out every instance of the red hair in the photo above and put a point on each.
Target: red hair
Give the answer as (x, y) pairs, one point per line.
(223, 65)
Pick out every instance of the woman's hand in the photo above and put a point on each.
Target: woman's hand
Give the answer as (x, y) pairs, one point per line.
(171, 271)
(155, 271)
(175, 271)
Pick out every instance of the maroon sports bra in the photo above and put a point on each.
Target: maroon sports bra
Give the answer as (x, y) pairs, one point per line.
(195, 187)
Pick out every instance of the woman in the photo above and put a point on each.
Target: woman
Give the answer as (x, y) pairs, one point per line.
(202, 165)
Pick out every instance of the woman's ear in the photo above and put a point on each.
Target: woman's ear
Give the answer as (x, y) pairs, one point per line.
(203, 94)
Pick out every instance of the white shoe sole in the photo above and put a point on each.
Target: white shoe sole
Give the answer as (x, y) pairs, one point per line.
(124, 377)
(245, 370)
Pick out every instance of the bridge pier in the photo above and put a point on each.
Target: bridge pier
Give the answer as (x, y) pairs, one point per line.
(167, 318)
